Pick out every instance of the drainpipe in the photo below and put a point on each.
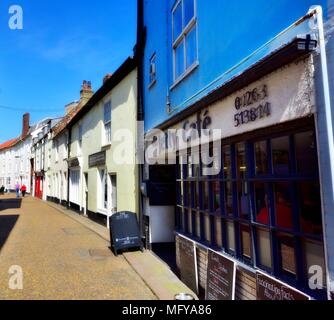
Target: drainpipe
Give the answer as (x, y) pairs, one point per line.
(317, 10)
(140, 104)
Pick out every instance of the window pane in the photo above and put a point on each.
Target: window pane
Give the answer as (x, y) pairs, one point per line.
(188, 202)
(314, 256)
(206, 204)
(198, 223)
(105, 191)
(264, 248)
(108, 133)
(179, 60)
(306, 153)
(227, 162)
(190, 224)
(283, 209)
(189, 11)
(180, 193)
(177, 21)
(229, 198)
(216, 196)
(261, 157)
(246, 242)
(230, 236)
(261, 203)
(281, 155)
(196, 195)
(310, 207)
(107, 112)
(287, 254)
(241, 161)
(207, 228)
(218, 230)
(243, 198)
(191, 47)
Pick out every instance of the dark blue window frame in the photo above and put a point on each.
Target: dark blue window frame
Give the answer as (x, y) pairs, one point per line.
(299, 280)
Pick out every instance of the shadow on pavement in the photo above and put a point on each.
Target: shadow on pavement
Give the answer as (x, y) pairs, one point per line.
(10, 204)
(7, 224)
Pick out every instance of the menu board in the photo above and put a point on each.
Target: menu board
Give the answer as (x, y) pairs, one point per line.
(188, 261)
(268, 288)
(221, 276)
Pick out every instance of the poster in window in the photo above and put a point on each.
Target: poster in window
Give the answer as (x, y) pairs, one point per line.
(221, 277)
(268, 288)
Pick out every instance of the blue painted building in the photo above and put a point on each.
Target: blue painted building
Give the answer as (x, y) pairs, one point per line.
(256, 72)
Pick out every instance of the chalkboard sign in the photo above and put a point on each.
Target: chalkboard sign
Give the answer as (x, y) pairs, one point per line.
(221, 275)
(268, 288)
(188, 261)
(124, 231)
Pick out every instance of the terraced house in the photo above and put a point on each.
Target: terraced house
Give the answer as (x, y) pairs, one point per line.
(15, 164)
(103, 179)
(58, 149)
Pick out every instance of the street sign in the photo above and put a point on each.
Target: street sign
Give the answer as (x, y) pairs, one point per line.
(124, 231)
(220, 277)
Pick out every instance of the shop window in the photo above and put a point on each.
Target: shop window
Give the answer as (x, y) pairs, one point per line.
(276, 203)
(198, 223)
(207, 228)
(287, 254)
(206, 197)
(228, 191)
(306, 153)
(264, 248)
(244, 200)
(230, 236)
(281, 155)
(227, 162)
(261, 203)
(261, 158)
(241, 161)
(310, 207)
(314, 257)
(218, 232)
(283, 208)
(216, 197)
(104, 190)
(246, 242)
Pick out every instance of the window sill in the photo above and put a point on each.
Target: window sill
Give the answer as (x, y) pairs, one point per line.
(103, 212)
(106, 146)
(185, 75)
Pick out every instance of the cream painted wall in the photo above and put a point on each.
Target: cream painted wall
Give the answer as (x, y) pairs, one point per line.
(124, 116)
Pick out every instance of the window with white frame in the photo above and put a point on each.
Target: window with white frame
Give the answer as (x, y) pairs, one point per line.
(184, 24)
(107, 122)
(153, 70)
(80, 136)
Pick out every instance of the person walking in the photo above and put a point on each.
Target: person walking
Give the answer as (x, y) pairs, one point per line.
(23, 190)
(17, 190)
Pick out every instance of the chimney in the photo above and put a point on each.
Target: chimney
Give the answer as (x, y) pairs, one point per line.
(86, 92)
(25, 125)
(106, 77)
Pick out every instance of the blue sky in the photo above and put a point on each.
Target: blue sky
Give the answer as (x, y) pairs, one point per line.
(63, 43)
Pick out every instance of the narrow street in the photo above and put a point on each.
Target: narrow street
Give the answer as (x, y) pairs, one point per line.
(60, 258)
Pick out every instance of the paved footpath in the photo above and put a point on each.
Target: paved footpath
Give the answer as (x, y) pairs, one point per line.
(60, 258)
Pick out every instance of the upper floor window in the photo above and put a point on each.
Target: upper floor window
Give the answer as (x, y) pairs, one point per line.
(56, 150)
(107, 122)
(184, 37)
(153, 70)
(80, 136)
